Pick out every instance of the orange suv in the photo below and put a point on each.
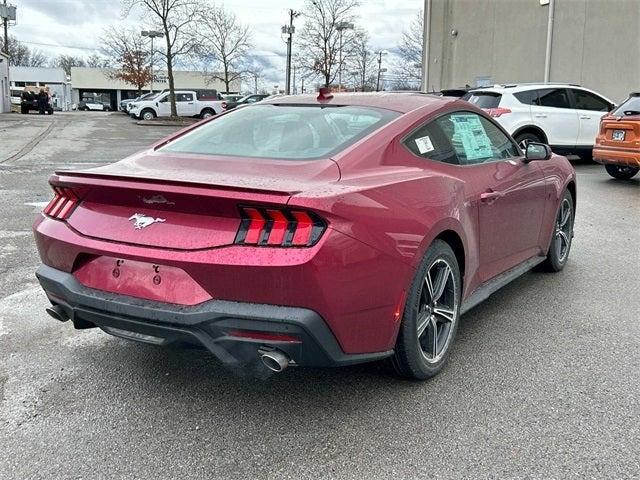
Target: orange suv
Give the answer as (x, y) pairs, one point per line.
(618, 143)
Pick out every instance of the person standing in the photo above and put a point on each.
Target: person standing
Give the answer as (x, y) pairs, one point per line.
(43, 100)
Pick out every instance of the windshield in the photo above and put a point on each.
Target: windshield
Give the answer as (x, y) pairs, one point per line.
(283, 132)
(631, 106)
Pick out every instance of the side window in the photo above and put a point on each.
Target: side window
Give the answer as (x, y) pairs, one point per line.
(589, 101)
(476, 139)
(184, 97)
(429, 141)
(553, 97)
(529, 97)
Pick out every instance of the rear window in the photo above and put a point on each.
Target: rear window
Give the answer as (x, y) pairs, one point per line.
(483, 99)
(285, 132)
(631, 106)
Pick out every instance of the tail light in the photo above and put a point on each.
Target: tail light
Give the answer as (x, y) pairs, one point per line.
(64, 202)
(497, 112)
(278, 227)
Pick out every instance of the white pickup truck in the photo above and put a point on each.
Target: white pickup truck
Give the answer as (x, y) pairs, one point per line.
(189, 103)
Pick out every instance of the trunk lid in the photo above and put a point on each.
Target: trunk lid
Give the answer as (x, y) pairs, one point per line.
(183, 202)
(620, 132)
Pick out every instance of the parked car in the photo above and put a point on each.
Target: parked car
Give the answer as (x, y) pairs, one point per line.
(246, 100)
(124, 104)
(231, 97)
(91, 104)
(187, 105)
(618, 143)
(567, 117)
(297, 233)
(29, 101)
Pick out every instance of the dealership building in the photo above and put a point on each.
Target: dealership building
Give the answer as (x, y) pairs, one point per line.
(593, 43)
(95, 83)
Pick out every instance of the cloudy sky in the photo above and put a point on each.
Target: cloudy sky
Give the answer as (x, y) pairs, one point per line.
(74, 26)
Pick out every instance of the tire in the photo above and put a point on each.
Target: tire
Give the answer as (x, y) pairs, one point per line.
(414, 353)
(562, 235)
(621, 172)
(525, 137)
(206, 113)
(147, 114)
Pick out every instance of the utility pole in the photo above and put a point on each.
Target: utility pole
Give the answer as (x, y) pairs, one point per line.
(5, 47)
(379, 53)
(7, 12)
(547, 54)
(289, 30)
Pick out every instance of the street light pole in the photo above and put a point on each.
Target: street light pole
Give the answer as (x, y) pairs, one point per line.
(341, 27)
(152, 34)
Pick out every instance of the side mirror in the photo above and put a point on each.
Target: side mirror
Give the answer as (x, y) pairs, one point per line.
(537, 151)
(157, 104)
(612, 107)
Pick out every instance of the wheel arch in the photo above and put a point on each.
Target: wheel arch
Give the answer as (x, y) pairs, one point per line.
(532, 129)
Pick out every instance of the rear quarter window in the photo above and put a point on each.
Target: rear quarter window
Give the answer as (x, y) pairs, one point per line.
(529, 97)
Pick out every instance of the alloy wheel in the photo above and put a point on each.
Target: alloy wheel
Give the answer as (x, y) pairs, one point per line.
(563, 230)
(437, 311)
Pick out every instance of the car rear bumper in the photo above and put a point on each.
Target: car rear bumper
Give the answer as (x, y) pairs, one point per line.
(617, 156)
(212, 324)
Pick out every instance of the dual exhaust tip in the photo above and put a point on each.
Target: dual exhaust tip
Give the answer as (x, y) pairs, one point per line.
(57, 312)
(275, 360)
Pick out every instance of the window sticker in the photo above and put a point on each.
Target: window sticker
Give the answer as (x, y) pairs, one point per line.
(424, 144)
(469, 131)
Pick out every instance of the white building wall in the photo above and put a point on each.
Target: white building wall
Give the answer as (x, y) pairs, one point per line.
(5, 100)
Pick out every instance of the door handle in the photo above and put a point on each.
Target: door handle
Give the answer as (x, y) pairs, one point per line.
(540, 115)
(585, 117)
(490, 196)
(190, 103)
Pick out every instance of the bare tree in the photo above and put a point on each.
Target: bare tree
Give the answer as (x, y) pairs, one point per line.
(223, 43)
(22, 56)
(67, 61)
(127, 50)
(361, 60)
(174, 18)
(318, 41)
(97, 61)
(408, 68)
(37, 59)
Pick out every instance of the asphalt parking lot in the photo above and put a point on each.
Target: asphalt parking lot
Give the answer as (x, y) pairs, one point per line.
(543, 382)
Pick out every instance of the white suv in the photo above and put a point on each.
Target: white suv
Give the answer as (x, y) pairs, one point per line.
(566, 117)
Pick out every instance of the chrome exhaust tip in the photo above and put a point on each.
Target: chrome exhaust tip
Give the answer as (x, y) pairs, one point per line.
(275, 360)
(57, 312)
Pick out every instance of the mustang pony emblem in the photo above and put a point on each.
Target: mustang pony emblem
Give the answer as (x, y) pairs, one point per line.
(140, 220)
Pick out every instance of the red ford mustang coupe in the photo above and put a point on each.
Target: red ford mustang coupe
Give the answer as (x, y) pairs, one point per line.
(312, 231)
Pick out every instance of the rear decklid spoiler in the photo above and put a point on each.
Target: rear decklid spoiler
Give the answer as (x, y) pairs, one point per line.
(272, 176)
(182, 203)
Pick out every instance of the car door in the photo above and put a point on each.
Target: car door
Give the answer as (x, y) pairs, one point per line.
(185, 104)
(553, 113)
(509, 193)
(590, 109)
(164, 106)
